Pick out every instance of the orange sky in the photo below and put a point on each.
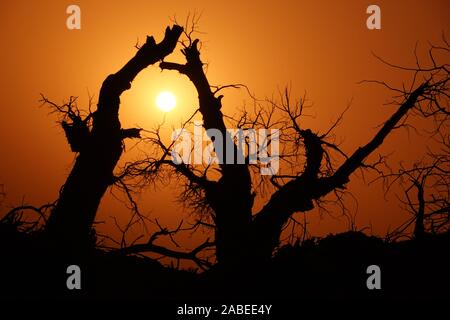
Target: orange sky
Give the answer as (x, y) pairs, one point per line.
(321, 47)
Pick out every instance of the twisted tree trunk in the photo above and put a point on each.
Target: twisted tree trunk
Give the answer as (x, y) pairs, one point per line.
(231, 198)
(74, 214)
(299, 194)
(243, 240)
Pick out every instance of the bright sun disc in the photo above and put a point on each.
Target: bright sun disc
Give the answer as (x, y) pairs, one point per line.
(166, 101)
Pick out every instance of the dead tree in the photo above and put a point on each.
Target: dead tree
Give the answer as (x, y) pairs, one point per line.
(98, 140)
(425, 183)
(425, 194)
(243, 238)
(232, 218)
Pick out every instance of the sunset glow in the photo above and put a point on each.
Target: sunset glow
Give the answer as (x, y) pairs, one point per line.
(166, 101)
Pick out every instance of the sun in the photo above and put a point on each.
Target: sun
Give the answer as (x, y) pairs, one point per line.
(166, 101)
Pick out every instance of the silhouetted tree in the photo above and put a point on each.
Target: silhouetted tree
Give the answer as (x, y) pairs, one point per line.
(98, 140)
(243, 238)
(426, 196)
(221, 195)
(426, 183)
